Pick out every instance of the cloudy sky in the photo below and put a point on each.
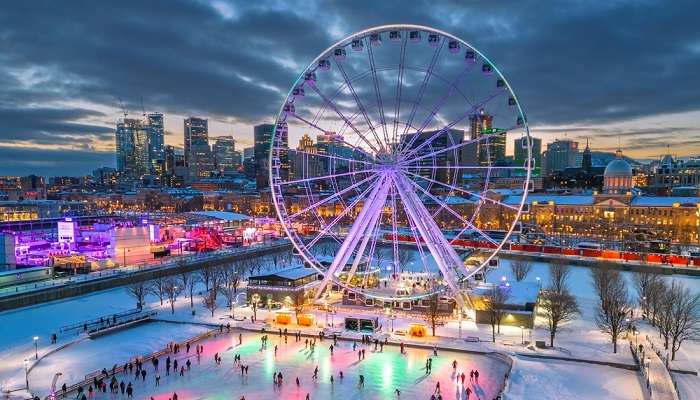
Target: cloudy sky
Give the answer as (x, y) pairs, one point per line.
(626, 71)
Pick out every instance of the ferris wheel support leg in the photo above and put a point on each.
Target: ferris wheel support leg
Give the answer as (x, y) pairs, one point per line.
(372, 206)
(367, 236)
(445, 257)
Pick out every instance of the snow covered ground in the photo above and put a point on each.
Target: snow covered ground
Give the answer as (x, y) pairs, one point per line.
(553, 379)
(563, 380)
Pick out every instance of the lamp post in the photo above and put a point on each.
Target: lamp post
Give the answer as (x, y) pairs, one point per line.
(459, 320)
(36, 347)
(522, 335)
(26, 373)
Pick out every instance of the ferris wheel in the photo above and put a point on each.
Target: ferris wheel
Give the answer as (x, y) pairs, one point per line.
(402, 135)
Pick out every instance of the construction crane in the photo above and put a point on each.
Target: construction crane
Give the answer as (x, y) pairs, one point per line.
(123, 107)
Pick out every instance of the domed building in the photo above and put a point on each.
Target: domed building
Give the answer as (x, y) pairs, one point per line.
(617, 178)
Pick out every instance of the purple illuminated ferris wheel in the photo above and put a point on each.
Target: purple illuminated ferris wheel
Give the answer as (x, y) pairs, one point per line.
(404, 136)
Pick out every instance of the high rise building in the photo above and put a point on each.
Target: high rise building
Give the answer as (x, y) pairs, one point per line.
(489, 151)
(156, 134)
(304, 161)
(225, 153)
(133, 160)
(198, 155)
(520, 153)
(561, 154)
(249, 162)
(262, 137)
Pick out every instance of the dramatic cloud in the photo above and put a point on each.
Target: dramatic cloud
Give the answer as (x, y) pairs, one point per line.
(578, 65)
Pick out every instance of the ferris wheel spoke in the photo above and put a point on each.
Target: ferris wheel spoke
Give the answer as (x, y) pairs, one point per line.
(339, 217)
(446, 128)
(456, 167)
(331, 197)
(399, 86)
(335, 108)
(475, 194)
(443, 150)
(359, 104)
(330, 156)
(450, 148)
(423, 86)
(444, 205)
(438, 106)
(378, 94)
(325, 177)
(325, 132)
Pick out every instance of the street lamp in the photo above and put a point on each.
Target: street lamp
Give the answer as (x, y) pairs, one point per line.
(36, 347)
(26, 373)
(522, 335)
(459, 319)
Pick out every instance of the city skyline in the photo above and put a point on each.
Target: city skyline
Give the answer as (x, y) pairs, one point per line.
(61, 97)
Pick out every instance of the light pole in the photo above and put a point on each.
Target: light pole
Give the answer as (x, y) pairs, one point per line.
(36, 347)
(26, 373)
(459, 319)
(522, 335)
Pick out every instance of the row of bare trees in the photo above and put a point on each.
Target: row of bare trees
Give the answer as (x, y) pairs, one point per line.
(669, 306)
(223, 279)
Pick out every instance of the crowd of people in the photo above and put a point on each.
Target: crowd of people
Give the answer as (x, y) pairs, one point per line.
(121, 380)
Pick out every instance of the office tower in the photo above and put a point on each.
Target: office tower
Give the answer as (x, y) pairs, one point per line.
(132, 149)
(198, 155)
(249, 162)
(262, 137)
(561, 154)
(156, 134)
(492, 150)
(520, 154)
(225, 153)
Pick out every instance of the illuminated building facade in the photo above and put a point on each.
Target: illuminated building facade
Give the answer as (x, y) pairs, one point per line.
(198, 156)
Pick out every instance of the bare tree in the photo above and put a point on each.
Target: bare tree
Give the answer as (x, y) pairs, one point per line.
(664, 302)
(613, 302)
(559, 273)
(685, 312)
(558, 309)
(206, 274)
(188, 281)
(406, 257)
(520, 269)
(494, 303)
(209, 301)
(230, 279)
(655, 299)
(644, 282)
(171, 290)
(157, 286)
(138, 291)
(433, 312)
